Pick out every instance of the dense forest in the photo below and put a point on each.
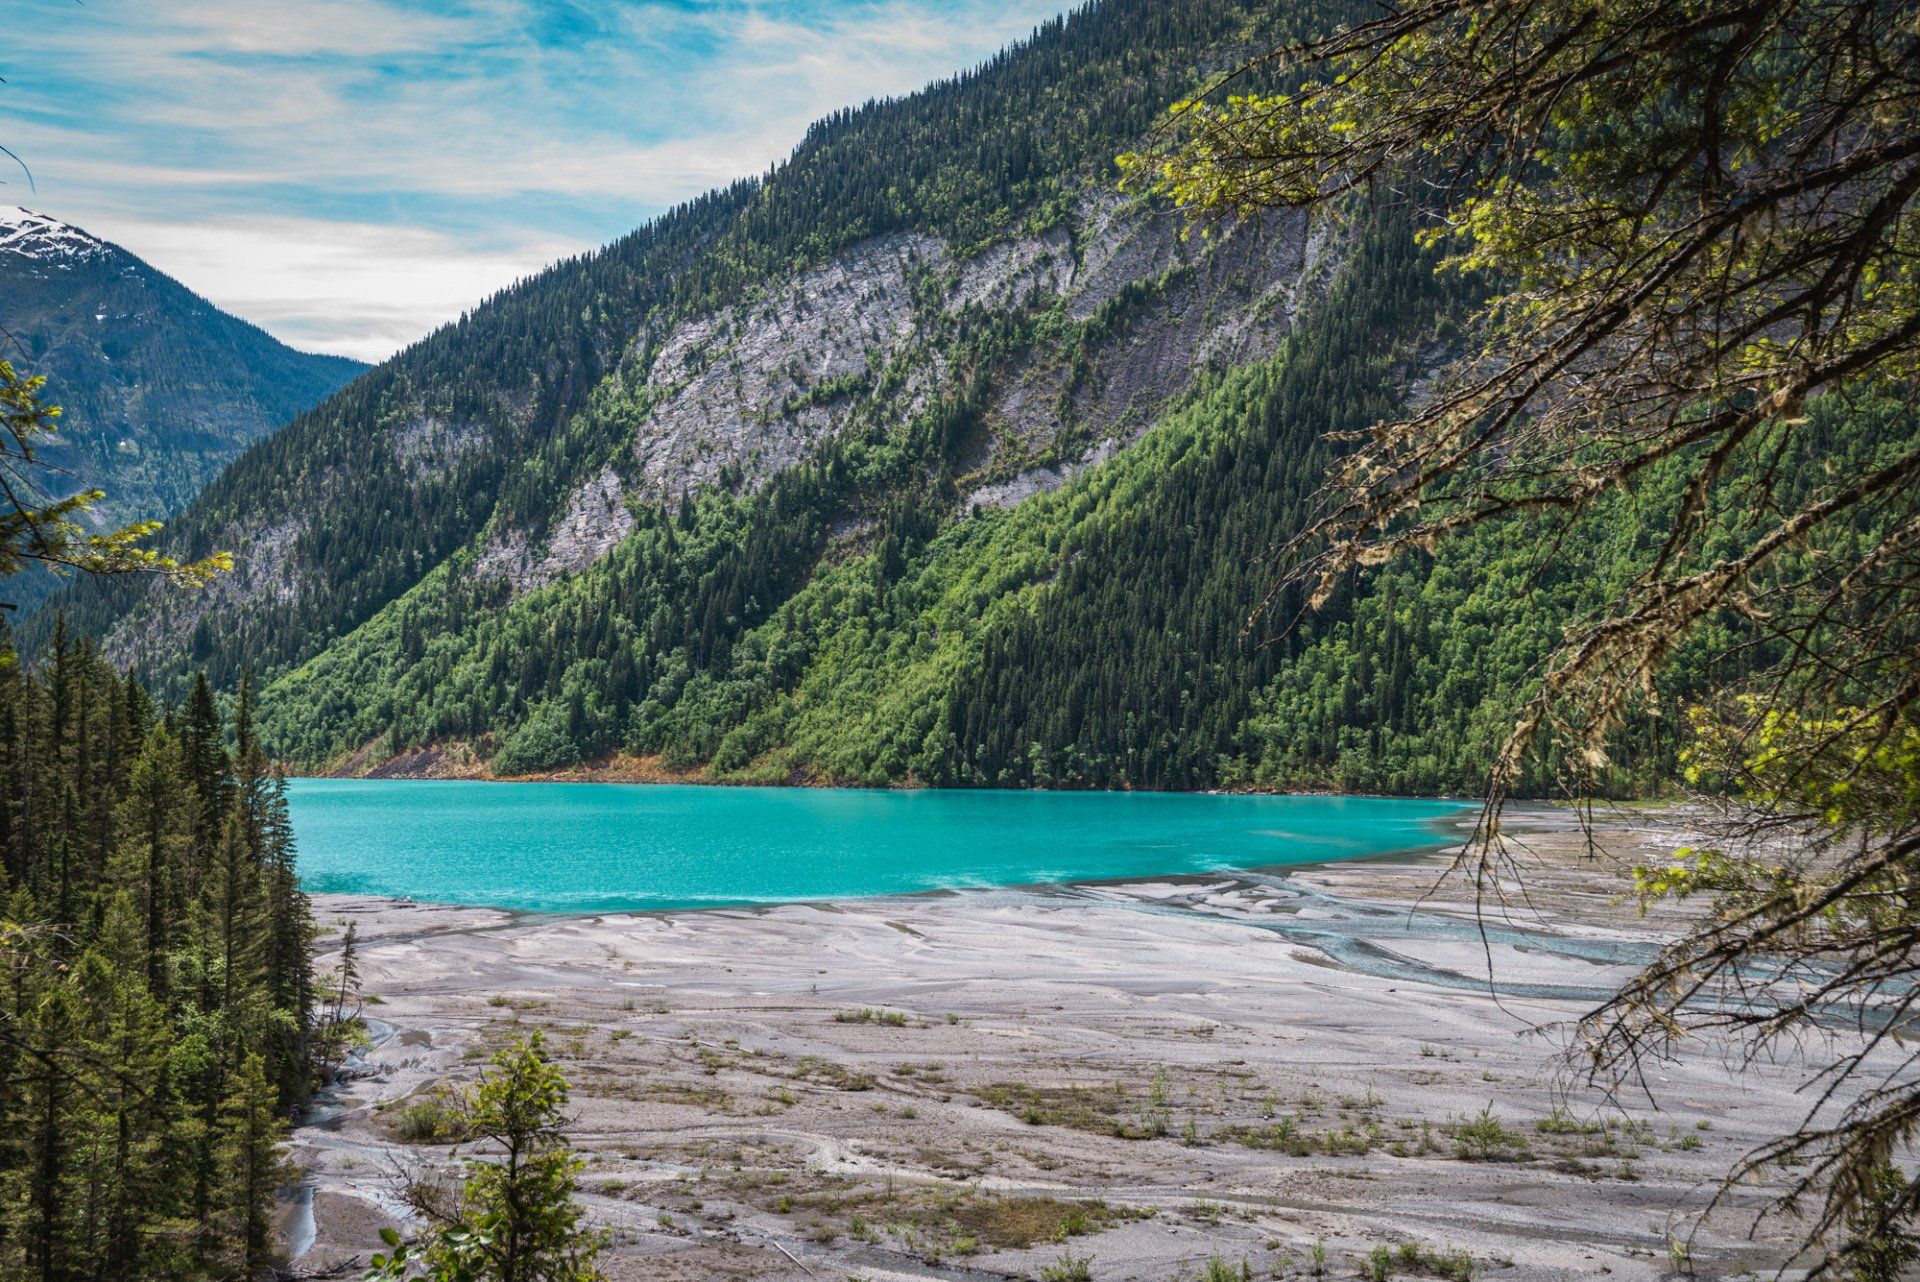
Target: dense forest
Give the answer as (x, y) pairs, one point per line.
(809, 624)
(157, 1019)
(1087, 638)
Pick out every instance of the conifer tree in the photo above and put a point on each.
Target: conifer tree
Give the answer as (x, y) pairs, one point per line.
(517, 1218)
(121, 1127)
(205, 759)
(157, 818)
(251, 1168)
(234, 908)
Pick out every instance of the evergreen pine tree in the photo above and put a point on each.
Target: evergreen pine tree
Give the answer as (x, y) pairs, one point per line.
(251, 1168)
(518, 1219)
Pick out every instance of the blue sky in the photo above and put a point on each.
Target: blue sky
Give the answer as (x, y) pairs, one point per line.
(350, 173)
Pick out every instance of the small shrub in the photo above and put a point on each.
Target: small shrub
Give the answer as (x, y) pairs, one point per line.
(427, 1120)
(1481, 1138)
(1070, 1268)
(1157, 1117)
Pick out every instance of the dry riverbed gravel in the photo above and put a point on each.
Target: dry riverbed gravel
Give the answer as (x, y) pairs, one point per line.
(1288, 1071)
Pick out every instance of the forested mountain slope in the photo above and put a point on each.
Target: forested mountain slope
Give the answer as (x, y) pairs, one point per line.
(159, 388)
(498, 419)
(930, 456)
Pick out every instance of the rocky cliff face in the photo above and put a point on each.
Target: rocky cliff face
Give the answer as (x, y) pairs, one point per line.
(735, 395)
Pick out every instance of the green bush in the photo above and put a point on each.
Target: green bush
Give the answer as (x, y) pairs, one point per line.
(426, 1120)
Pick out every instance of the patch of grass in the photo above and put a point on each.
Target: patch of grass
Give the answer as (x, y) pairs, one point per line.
(1018, 1222)
(1100, 1110)
(866, 1015)
(827, 1073)
(612, 1084)
(951, 1219)
(1287, 1135)
(1022, 1221)
(1561, 1122)
(1411, 1258)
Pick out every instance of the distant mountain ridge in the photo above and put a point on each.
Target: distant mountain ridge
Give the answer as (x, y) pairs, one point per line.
(158, 388)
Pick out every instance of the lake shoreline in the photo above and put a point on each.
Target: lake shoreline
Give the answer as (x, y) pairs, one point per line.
(859, 1087)
(439, 764)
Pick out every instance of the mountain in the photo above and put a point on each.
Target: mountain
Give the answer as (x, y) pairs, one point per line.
(159, 389)
(929, 456)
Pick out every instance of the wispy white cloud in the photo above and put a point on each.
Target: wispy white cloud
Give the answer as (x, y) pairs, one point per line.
(351, 28)
(433, 148)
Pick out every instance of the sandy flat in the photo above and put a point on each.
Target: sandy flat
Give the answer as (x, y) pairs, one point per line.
(967, 1085)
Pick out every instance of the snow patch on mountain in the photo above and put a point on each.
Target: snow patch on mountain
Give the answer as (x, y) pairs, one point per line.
(36, 235)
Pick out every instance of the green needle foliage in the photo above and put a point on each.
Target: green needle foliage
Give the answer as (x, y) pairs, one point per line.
(1696, 226)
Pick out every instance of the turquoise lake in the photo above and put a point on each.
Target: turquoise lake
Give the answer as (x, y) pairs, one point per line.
(560, 847)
